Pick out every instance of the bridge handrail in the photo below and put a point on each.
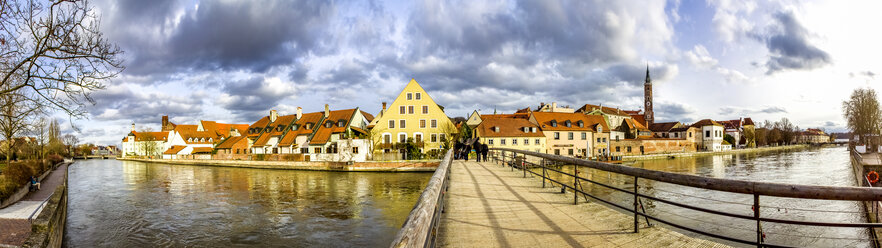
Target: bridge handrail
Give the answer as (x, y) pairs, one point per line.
(420, 229)
(847, 193)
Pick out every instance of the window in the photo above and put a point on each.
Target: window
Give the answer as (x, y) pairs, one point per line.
(443, 137)
(706, 134)
(556, 151)
(402, 138)
(556, 135)
(690, 135)
(502, 141)
(391, 123)
(514, 142)
(422, 123)
(554, 123)
(295, 127)
(402, 110)
(418, 138)
(425, 109)
(401, 124)
(418, 95)
(387, 138)
(304, 150)
(210, 140)
(568, 123)
(280, 128)
(238, 150)
(570, 152)
(618, 149)
(598, 140)
(275, 150)
(409, 96)
(308, 125)
(537, 141)
(433, 137)
(355, 150)
(629, 149)
(328, 124)
(604, 140)
(526, 142)
(410, 109)
(434, 123)
(570, 135)
(490, 141)
(318, 150)
(340, 123)
(584, 136)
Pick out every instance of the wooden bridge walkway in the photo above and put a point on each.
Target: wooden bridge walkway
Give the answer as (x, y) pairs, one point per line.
(491, 206)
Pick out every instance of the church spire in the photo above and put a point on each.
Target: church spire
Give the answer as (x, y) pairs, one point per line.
(648, 80)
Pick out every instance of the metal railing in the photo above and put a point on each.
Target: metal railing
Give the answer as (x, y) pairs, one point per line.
(517, 159)
(420, 229)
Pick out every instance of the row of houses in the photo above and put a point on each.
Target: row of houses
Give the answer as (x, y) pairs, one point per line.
(415, 124)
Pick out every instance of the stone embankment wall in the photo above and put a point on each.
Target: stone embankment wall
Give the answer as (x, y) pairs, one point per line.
(47, 230)
(392, 166)
(693, 154)
(23, 191)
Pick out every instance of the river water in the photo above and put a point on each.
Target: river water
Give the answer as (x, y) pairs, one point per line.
(134, 204)
(813, 166)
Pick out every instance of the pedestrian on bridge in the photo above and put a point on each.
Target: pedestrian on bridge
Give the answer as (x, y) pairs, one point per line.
(484, 150)
(457, 150)
(478, 151)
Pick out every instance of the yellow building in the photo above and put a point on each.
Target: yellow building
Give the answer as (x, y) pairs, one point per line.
(513, 131)
(413, 116)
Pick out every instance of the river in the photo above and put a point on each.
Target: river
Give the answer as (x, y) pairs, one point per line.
(813, 166)
(134, 204)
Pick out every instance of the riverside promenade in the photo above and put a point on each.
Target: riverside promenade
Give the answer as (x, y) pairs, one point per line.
(492, 206)
(14, 219)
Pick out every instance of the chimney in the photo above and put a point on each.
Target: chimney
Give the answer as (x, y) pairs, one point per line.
(553, 106)
(164, 122)
(273, 115)
(299, 112)
(133, 124)
(384, 106)
(327, 111)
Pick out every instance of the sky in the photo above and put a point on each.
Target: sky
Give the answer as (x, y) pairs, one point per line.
(233, 61)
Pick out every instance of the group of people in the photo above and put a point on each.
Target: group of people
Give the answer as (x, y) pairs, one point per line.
(462, 150)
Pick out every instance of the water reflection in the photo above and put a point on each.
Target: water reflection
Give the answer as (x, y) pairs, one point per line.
(813, 166)
(119, 204)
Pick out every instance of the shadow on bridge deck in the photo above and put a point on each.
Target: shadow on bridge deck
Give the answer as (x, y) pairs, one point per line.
(491, 206)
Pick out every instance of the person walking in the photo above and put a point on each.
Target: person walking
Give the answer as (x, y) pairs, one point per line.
(478, 151)
(484, 150)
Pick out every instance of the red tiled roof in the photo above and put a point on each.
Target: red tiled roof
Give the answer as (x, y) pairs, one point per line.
(291, 136)
(230, 142)
(607, 110)
(639, 119)
(174, 150)
(197, 150)
(257, 124)
(747, 121)
(662, 126)
(544, 119)
(705, 122)
(323, 134)
(508, 127)
(367, 116)
(155, 136)
(633, 124)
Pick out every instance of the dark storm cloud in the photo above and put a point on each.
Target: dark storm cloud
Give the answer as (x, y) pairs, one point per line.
(789, 46)
(226, 35)
(251, 98)
(669, 111)
(120, 103)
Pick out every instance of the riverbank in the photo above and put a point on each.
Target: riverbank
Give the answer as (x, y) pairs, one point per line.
(38, 219)
(379, 166)
(696, 154)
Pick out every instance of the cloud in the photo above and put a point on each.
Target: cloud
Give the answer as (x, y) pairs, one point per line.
(120, 103)
(701, 58)
(672, 111)
(788, 43)
(251, 98)
(729, 21)
(741, 111)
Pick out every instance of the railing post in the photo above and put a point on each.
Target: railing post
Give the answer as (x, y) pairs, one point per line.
(543, 173)
(756, 214)
(575, 182)
(524, 165)
(636, 222)
(503, 159)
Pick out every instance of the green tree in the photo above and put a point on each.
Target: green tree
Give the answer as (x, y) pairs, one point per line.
(730, 139)
(862, 113)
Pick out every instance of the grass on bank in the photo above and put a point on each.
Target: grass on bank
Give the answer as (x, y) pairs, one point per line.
(18, 173)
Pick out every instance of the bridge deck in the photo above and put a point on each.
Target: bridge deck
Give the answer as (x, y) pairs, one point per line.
(491, 206)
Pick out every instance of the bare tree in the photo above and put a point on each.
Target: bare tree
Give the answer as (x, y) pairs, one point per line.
(147, 142)
(54, 53)
(70, 141)
(16, 112)
(862, 113)
(38, 127)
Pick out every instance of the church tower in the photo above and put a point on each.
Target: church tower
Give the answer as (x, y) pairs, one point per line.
(647, 98)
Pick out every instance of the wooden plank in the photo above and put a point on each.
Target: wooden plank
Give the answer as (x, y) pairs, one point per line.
(721, 184)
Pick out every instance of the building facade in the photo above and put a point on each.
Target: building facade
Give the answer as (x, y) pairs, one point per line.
(571, 134)
(510, 131)
(412, 117)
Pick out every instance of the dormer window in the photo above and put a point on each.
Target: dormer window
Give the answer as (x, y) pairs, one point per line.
(210, 140)
(496, 129)
(340, 123)
(553, 123)
(294, 127)
(532, 129)
(309, 126)
(203, 140)
(581, 123)
(568, 123)
(525, 129)
(189, 139)
(280, 128)
(267, 129)
(328, 124)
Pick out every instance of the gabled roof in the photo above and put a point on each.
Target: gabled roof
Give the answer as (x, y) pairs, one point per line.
(663, 126)
(747, 121)
(144, 136)
(544, 119)
(367, 116)
(323, 134)
(257, 124)
(509, 126)
(230, 142)
(174, 150)
(633, 124)
(705, 122)
(606, 110)
(197, 150)
(291, 135)
(639, 119)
